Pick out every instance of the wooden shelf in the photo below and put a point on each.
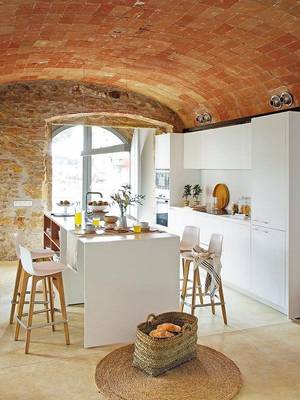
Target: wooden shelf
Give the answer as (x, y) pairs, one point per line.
(51, 239)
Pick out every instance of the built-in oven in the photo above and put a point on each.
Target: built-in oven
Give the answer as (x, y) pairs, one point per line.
(162, 210)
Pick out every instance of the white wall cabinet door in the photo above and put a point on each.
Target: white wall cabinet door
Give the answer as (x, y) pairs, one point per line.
(269, 169)
(268, 280)
(236, 261)
(162, 151)
(221, 148)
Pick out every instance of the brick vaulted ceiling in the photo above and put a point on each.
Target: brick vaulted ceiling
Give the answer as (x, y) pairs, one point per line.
(226, 57)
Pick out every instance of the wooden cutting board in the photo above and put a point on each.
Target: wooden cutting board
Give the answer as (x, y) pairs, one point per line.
(221, 192)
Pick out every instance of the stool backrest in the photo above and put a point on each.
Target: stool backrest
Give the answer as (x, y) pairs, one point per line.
(215, 244)
(18, 239)
(190, 237)
(26, 260)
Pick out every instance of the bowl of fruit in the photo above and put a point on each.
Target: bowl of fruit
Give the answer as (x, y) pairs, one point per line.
(95, 206)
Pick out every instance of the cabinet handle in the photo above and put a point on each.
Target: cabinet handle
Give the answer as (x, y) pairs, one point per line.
(260, 230)
(262, 222)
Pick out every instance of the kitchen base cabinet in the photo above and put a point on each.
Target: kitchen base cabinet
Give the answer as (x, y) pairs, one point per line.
(268, 269)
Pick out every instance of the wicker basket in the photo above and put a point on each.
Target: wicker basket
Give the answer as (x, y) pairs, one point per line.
(156, 356)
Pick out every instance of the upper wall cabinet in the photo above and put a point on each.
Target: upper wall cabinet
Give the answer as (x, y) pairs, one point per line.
(162, 152)
(220, 148)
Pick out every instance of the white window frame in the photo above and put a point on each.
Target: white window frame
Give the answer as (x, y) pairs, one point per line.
(88, 152)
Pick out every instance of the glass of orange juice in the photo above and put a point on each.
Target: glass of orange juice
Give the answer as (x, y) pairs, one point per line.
(96, 222)
(137, 228)
(78, 216)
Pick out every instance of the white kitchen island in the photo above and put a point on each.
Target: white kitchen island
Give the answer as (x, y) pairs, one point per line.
(120, 279)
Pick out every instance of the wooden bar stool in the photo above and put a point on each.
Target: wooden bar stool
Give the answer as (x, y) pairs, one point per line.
(52, 271)
(215, 248)
(35, 254)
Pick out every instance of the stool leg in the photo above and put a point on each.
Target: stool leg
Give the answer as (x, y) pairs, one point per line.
(223, 303)
(50, 286)
(212, 302)
(30, 313)
(16, 292)
(45, 295)
(58, 282)
(23, 288)
(199, 286)
(185, 283)
(194, 292)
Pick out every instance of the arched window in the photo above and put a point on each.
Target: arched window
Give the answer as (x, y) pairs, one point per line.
(88, 158)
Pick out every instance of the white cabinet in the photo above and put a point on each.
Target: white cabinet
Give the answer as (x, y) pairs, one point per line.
(220, 148)
(269, 171)
(162, 152)
(268, 270)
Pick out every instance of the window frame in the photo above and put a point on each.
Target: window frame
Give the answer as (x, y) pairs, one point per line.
(88, 152)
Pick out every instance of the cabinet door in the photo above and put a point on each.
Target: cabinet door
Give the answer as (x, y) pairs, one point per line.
(192, 148)
(268, 272)
(221, 148)
(269, 169)
(236, 259)
(162, 151)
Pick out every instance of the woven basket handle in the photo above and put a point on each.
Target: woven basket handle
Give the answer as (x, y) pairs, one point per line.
(186, 327)
(150, 318)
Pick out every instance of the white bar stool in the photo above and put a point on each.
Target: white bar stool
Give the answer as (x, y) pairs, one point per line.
(190, 239)
(215, 247)
(35, 254)
(52, 271)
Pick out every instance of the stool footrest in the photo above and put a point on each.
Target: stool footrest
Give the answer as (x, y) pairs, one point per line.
(202, 305)
(29, 328)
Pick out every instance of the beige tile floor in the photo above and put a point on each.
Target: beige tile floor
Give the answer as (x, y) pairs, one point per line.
(260, 340)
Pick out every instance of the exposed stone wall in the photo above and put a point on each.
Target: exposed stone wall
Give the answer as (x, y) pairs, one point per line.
(24, 137)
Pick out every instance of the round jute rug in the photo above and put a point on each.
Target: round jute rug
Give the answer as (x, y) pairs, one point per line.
(210, 376)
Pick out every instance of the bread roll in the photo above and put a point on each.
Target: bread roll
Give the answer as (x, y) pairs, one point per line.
(161, 334)
(169, 327)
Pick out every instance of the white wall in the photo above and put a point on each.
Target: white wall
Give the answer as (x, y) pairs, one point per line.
(238, 181)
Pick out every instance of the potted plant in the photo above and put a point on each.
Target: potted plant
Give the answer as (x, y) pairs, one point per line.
(187, 192)
(196, 191)
(124, 198)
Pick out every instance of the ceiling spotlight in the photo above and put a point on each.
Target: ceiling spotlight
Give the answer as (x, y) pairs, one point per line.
(275, 101)
(203, 118)
(206, 117)
(286, 98)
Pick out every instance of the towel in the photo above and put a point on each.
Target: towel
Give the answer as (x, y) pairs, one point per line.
(211, 263)
(72, 243)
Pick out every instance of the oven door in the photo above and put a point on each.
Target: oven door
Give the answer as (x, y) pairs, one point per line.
(162, 219)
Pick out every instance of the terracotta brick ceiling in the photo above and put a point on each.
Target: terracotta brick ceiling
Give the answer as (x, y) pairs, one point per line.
(226, 57)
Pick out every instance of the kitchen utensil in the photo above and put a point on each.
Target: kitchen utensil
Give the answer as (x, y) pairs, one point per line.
(221, 192)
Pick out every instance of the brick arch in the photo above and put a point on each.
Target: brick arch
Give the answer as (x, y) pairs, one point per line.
(225, 57)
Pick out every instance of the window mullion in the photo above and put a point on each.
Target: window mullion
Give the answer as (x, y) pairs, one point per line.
(87, 163)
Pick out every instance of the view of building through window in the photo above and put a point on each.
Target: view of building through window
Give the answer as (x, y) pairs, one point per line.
(108, 171)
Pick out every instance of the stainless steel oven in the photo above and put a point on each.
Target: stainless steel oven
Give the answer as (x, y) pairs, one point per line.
(162, 210)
